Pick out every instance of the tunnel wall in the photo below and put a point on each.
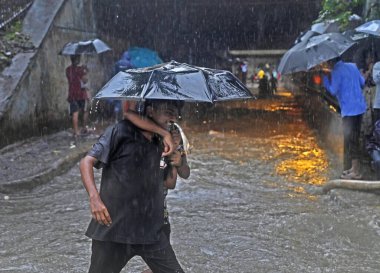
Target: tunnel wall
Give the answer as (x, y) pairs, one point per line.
(34, 88)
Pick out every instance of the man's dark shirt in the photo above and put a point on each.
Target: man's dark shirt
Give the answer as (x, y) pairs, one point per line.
(131, 186)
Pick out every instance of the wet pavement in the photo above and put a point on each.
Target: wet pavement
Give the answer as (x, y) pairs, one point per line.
(35, 161)
(248, 205)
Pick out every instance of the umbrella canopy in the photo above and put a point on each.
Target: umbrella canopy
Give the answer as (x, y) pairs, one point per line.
(318, 28)
(305, 36)
(175, 81)
(355, 35)
(305, 55)
(143, 57)
(325, 27)
(370, 30)
(371, 27)
(293, 60)
(95, 46)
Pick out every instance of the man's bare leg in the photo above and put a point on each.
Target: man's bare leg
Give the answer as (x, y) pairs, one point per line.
(85, 120)
(75, 123)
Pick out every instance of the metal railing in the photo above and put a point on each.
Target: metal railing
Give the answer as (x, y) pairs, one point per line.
(11, 10)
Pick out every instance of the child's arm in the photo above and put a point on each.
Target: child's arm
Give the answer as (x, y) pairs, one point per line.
(179, 162)
(150, 126)
(171, 178)
(178, 159)
(184, 169)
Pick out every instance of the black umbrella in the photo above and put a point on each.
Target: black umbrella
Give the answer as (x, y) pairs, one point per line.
(318, 49)
(175, 81)
(95, 46)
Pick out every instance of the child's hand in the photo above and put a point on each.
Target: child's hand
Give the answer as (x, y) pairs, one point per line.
(176, 159)
(171, 142)
(176, 137)
(169, 145)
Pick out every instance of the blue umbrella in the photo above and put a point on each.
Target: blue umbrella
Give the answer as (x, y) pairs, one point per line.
(143, 57)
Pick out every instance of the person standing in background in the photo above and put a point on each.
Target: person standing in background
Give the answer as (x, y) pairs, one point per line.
(244, 71)
(78, 93)
(345, 82)
(376, 101)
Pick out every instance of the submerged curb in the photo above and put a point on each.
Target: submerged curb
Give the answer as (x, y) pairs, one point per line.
(359, 185)
(57, 167)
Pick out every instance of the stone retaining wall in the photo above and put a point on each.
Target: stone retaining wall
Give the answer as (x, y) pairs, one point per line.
(33, 90)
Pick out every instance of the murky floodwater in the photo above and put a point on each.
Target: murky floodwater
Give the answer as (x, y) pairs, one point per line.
(247, 206)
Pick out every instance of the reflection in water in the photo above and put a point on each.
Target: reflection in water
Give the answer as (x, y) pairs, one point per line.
(272, 130)
(303, 161)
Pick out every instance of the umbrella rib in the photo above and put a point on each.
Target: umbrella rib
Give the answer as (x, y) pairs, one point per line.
(208, 88)
(143, 93)
(205, 80)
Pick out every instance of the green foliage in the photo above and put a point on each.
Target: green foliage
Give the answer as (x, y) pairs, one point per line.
(15, 28)
(339, 10)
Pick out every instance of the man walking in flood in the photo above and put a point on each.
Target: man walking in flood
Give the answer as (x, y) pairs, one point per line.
(128, 211)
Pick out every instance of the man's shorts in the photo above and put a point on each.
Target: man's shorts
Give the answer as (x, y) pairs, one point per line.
(77, 105)
(110, 257)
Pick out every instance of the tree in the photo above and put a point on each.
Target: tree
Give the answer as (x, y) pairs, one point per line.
(340, 10)
(372, 10)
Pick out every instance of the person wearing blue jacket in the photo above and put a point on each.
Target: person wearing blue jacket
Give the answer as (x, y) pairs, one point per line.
(344, 81)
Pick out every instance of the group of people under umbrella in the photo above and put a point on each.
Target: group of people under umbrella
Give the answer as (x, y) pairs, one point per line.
(322, 49)
(141, 155)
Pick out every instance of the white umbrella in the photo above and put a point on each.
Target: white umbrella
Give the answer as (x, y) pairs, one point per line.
(95, 46)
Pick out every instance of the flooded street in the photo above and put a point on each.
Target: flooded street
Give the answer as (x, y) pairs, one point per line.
(247, 206)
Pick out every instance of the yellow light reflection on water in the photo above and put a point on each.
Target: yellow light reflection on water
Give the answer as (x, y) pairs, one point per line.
(303, 161)
(276, 133)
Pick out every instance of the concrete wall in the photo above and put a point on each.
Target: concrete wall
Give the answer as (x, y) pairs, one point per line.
(33, 90)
